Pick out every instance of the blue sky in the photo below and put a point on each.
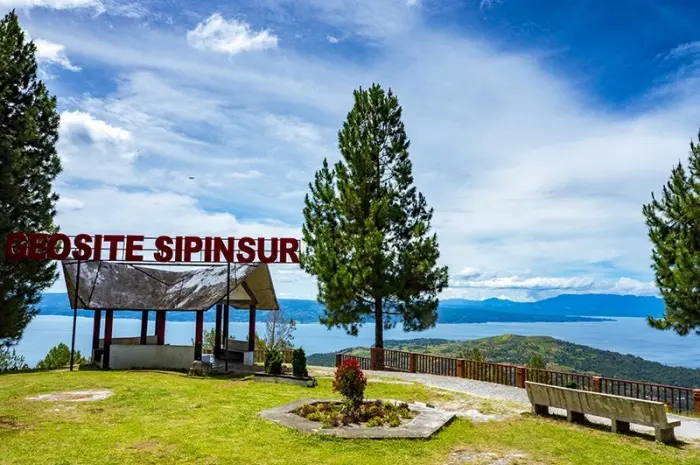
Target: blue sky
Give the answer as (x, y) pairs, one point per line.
(538, 128)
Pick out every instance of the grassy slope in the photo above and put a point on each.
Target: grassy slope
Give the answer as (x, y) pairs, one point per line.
(170, 418)
(558, 354)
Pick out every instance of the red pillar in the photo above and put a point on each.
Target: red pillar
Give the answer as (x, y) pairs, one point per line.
(109, 321)
(217, 330)
(251, 329)
(520, 377)
(96, 330)
(144, 327)
(198, 328)
(160, 327)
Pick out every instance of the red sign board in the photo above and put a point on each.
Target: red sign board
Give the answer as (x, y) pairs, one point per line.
(180, 249)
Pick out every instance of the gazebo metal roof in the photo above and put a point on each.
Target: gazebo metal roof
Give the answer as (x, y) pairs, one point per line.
(126, 286)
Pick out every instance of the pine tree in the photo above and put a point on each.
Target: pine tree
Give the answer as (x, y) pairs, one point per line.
(674, 231)
(28, 165)
(367, 229)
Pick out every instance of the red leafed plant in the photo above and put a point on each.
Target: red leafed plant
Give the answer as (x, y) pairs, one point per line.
(350, 382)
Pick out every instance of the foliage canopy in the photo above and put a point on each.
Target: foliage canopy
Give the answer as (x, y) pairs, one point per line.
(674, 230)
(367, 228)
(28, 165)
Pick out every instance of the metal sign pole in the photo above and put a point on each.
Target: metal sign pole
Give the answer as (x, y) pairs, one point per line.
(228, 298)
(75, 315)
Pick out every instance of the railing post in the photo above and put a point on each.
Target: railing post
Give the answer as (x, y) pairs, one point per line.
(696, 401)
(376, 359)
(412, 363)
(338, 360)
(460, 368)
(520, 376)
(596, 385)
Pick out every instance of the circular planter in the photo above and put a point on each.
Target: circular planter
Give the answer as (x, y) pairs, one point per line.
(425, 424)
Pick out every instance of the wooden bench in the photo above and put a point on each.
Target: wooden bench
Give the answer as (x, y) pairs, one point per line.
(621, 410)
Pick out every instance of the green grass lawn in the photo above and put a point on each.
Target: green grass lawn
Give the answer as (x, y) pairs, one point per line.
(156, 417)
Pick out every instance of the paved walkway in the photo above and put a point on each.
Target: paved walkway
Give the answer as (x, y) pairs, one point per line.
(689, 429)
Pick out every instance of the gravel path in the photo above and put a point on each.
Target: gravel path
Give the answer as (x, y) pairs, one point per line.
(689, 429)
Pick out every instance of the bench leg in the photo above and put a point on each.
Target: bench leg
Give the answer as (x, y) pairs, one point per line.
(665, 434)
(540, 409)
(575, 417)
(620, 426)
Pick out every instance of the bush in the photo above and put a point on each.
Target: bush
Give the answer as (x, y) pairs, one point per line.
(393, 419)
(59, 357)
(273, 362)
(350, 382)
(10, 360)
(299, 363)
(572, 385)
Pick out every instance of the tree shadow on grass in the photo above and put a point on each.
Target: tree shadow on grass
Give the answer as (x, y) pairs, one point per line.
(677, 444)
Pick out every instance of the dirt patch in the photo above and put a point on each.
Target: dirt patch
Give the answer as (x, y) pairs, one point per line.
(152, 447)
(9, 423)
(74, 396)
(475, 409)
(465, 457)
(146, 445)
(388, 381)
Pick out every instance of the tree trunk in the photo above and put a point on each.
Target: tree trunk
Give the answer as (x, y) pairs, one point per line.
(378, 323)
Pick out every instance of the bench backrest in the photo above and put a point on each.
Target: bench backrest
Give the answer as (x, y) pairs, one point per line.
(235, 345)
(639, 411)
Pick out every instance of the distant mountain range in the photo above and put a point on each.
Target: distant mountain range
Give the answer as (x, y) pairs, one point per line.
(563, 308)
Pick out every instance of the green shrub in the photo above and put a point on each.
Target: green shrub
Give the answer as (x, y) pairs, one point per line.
(10, 360)
(59, 357)
(571, 385)
(299, 363)
(273, 362)
(374, 422)
(331, 420)
(393, 419)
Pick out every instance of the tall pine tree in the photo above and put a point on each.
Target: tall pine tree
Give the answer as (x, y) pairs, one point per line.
(367, 230)
(674, 230)
(28, 165)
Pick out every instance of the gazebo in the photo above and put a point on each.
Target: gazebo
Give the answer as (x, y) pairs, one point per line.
(107, 286)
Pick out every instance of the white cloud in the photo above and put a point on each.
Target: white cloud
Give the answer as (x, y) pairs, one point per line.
(49, 52)
(66, 204)
(291, 195)
(472, 283)
(486, 4)
(94, 149)
(690, 48)
(52, 4)
(229, 36)
(333, 40)
(74, 121)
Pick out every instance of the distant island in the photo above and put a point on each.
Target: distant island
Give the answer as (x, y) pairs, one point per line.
(565, 308)
(559, 355)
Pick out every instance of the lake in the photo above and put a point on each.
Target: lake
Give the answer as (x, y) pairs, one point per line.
(624, 335)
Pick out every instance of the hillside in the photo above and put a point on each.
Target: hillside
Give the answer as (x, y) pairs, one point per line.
(563, 308)
(559, 355)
